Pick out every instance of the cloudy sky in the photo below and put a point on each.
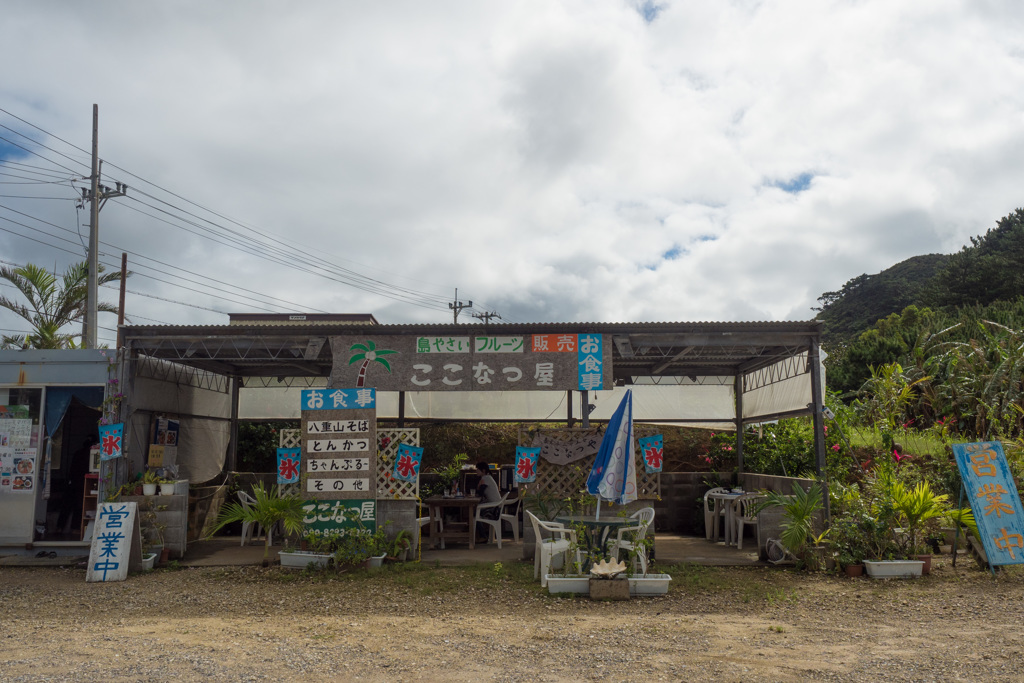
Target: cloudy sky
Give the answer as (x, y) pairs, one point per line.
(555, 161)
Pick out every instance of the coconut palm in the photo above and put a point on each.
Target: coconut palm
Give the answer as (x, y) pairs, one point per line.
(52, 304)
(369, 353)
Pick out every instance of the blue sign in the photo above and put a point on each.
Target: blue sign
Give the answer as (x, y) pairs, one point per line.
(994, 500)
(407, 462)
(591, 362)
(339, 399)
(288, 462)
(526, 464)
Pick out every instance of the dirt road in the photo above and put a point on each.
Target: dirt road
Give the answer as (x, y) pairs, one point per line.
(491, 623)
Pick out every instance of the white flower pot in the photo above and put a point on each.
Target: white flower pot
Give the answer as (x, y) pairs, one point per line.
(149, 489)
(652, 584)
(893, 569)
(148, 561)
(375, 561)
(300, 559)
(578, 584)
(167, 489)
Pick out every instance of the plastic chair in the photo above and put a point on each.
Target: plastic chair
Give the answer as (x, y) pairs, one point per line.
(744, 512)
(561, 540)
(629, 538)
(247, 527)
(495, 524)
(512, 517)
(710, 518)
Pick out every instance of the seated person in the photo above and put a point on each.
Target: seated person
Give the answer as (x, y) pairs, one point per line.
(487, 489)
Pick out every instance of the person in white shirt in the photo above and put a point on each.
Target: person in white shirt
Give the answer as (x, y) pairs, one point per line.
(487, 489)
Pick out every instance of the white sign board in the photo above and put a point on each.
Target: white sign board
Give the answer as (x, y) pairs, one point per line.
(116, 543)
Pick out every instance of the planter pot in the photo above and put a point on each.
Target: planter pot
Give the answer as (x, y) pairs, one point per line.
(926, 566)
(609, 589)
(165, 555)
(148, 560)
(893, 569)
(167, 489)
(853, 570)
(579, 585)
(300, 559)
(652, 584)
(149, 489)
(374, 562)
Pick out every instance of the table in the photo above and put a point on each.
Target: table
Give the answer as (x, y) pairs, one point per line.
(598, 530)
(725, 498)
(452, 531)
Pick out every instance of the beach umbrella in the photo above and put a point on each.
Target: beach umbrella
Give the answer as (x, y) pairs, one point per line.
(613, 477)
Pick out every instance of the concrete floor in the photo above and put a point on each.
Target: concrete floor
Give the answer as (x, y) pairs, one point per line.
(228, 551)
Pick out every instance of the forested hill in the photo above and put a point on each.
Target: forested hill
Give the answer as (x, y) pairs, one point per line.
(899, 314)
(867, 298)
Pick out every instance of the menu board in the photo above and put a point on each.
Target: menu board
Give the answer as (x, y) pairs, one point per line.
(18, 468)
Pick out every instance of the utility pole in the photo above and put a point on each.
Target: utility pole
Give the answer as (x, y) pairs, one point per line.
(458, 306)
(94, 196)
(120, 301)
(486, 317)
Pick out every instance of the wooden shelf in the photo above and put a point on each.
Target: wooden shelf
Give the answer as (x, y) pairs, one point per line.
(90, 492)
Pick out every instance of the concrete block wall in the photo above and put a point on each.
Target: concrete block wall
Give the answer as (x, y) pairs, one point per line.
(402, 514)
(174, 518)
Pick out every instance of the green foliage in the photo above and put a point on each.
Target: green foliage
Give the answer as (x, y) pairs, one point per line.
(990, 269)
(258, 443)
(272, 506)
(798, 517)
(52, 304)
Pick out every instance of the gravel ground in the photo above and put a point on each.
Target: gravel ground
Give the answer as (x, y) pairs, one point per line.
(489, 623)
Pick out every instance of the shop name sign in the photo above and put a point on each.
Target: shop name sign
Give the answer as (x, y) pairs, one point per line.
(538, 362)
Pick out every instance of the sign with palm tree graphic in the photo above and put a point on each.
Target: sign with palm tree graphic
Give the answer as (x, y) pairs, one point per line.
(540, 362)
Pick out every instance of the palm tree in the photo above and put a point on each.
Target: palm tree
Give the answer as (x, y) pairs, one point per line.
(52, 304)
(369, 353)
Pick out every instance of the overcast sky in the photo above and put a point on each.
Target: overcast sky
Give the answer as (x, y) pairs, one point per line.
(554, 161)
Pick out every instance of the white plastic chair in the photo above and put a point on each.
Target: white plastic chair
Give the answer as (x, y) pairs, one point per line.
(561, 540)
(629, 538)
(510, 514)
(711, 519)
(744, 512)
(495, 524)
(247, 527)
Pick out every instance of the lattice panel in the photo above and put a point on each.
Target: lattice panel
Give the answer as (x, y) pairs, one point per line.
(388, 441)
(563, 481)
(289, 438)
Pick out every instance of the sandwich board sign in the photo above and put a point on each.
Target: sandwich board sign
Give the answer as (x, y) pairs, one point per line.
(994, 500)
(116, 543)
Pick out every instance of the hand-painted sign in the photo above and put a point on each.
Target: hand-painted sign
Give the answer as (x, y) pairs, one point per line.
(653, 450)
(115, 543)
(339, 517)
(526, 464)
(550, 362)
(110, 441)
(994, 500)
(407, 462)
(339, 443)
(288, 461)
(564, 452)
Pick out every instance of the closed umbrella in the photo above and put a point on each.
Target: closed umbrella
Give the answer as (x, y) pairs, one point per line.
(613, 477)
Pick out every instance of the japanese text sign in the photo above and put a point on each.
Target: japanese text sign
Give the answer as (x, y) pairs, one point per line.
(653, 450)
(407, 462)
(110, 441)
(526, 464)
(994, 500)
(339, 517)
(288, 463)
(339, 443)
(549, 362)
(115, 543)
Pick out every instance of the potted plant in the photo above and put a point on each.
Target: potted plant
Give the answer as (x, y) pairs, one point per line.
(799, 514)
(317, 552)
(166, 487)
(271, 507)
(919, 511)
(150, 480)
(645, 583)
(887, 548)
(399, 546)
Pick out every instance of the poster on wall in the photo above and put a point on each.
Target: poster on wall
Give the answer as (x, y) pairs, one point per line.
(18, 468)
(166, 435)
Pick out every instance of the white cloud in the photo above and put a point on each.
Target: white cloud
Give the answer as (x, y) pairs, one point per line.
(543, 157)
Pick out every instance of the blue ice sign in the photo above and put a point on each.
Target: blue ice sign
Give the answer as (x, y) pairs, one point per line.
(339, 399)
(994, 500)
